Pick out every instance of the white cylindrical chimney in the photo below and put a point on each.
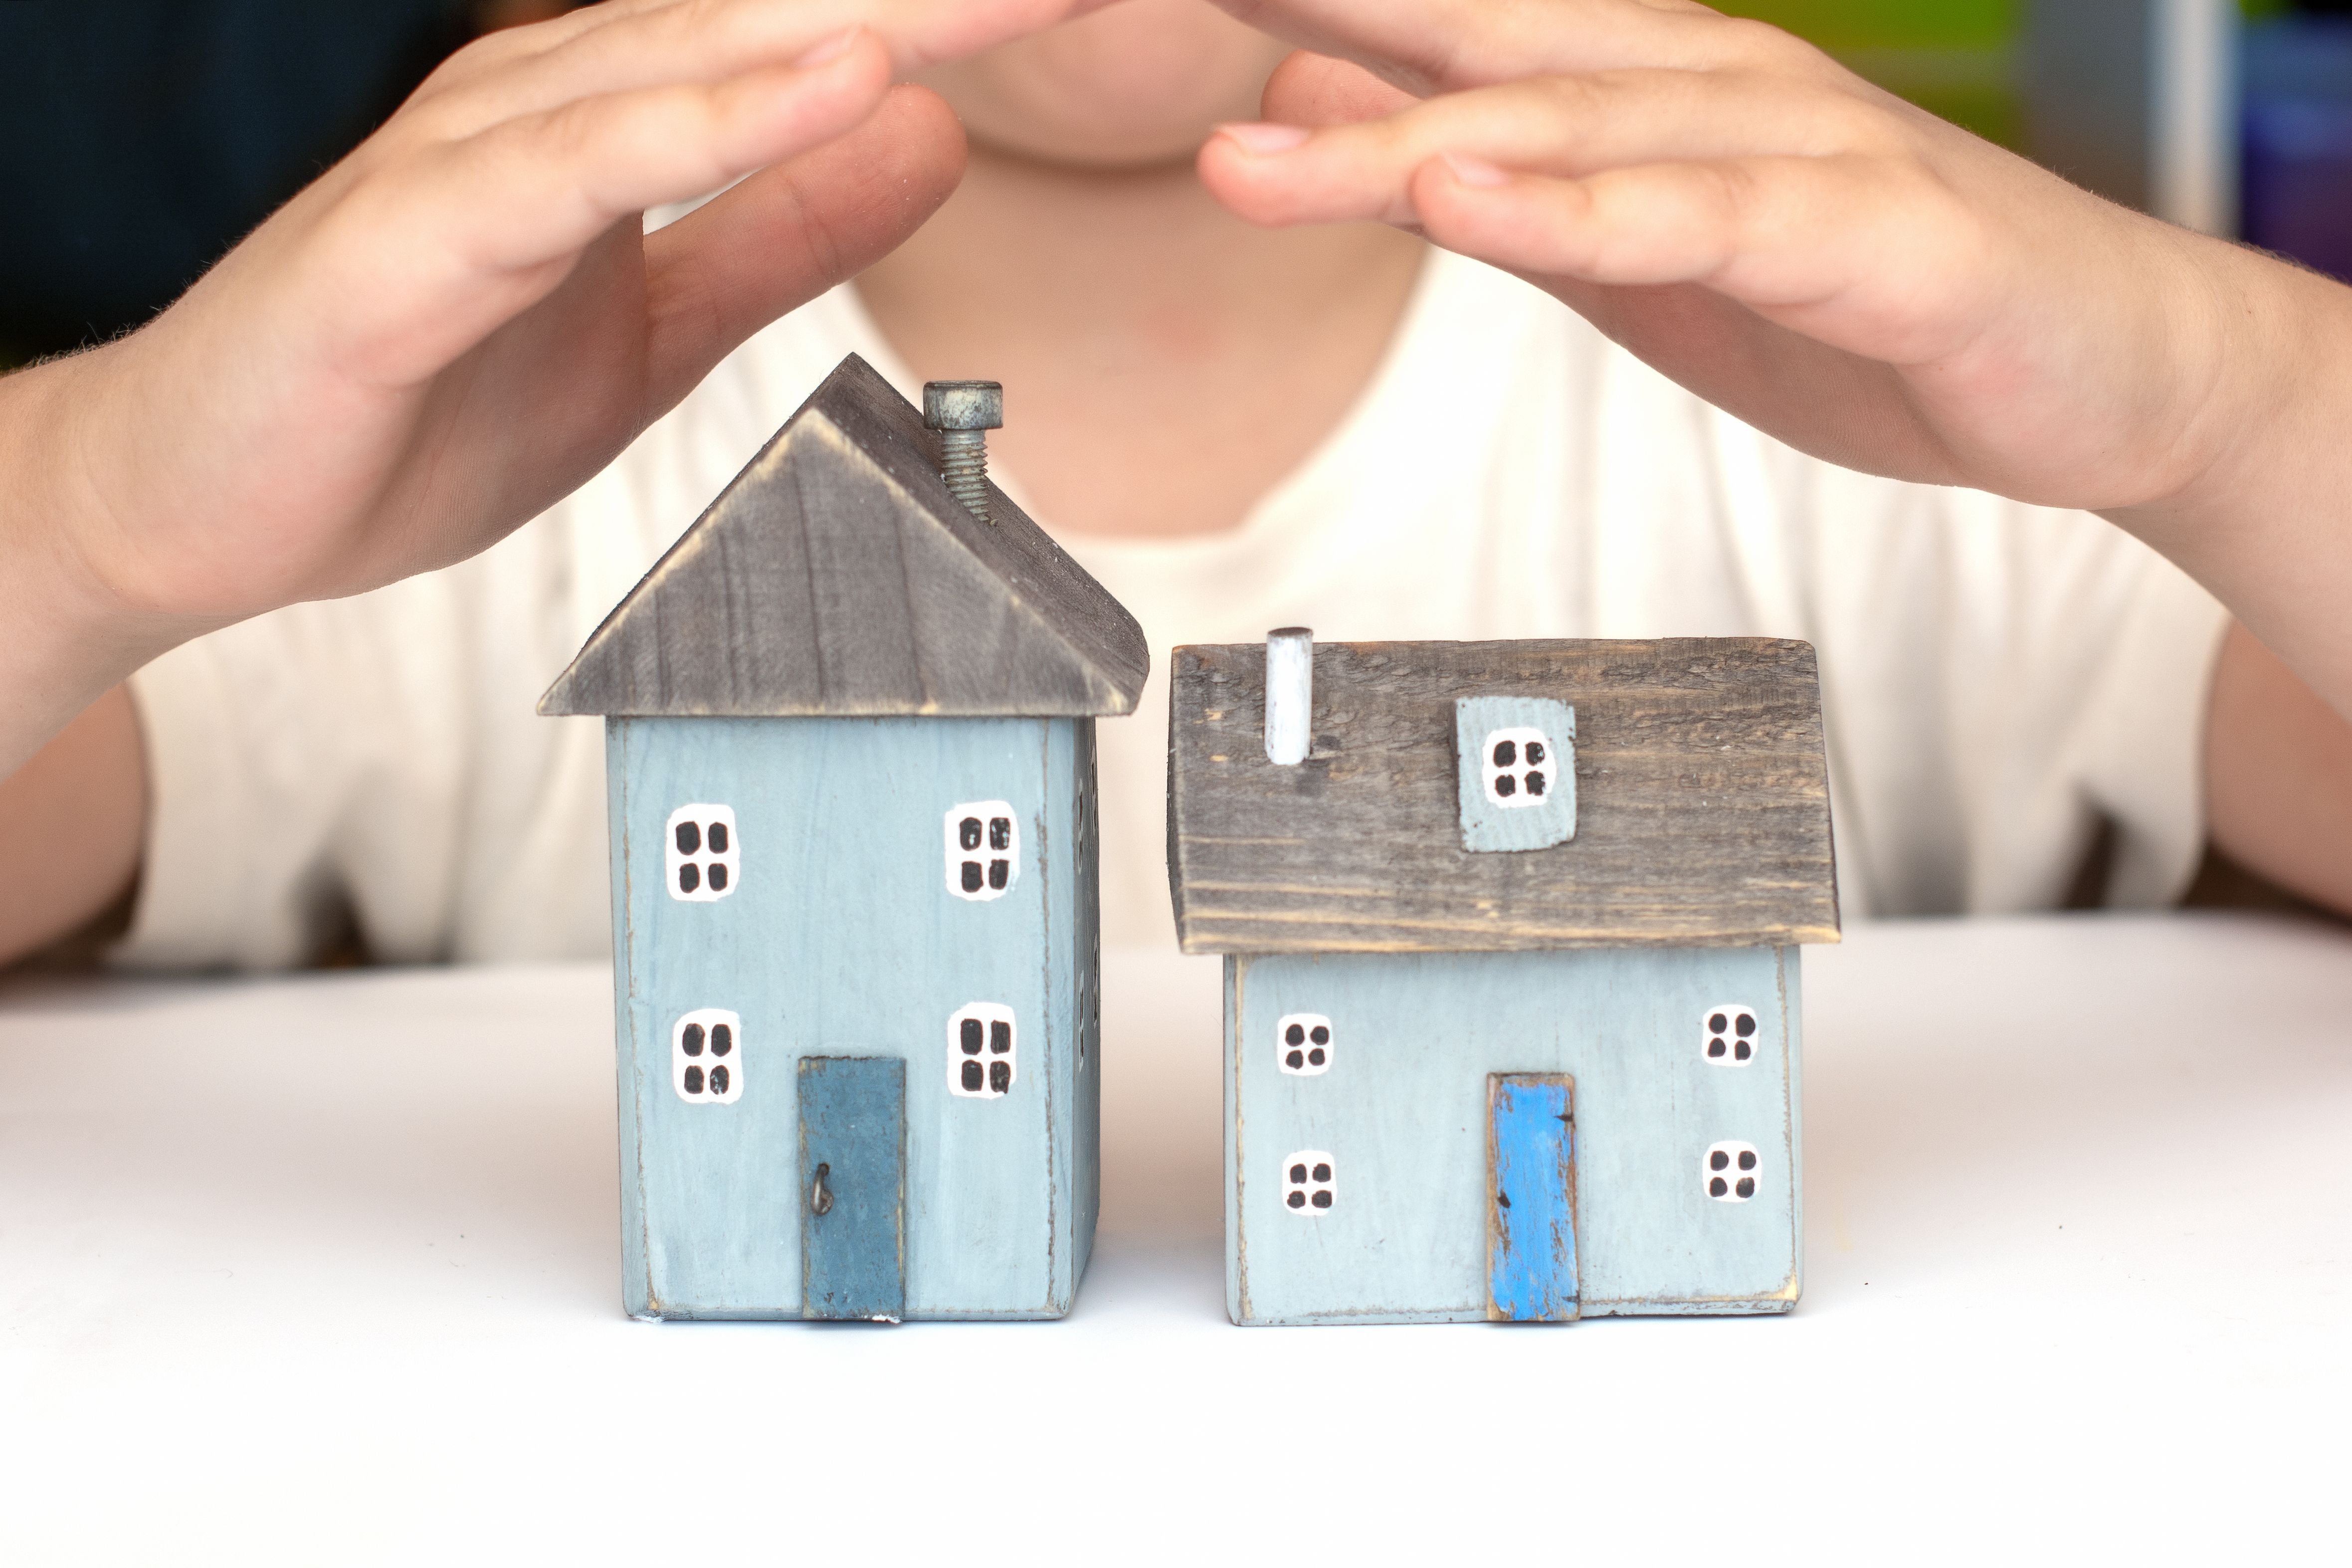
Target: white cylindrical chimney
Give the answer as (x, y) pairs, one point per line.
(1289, 694)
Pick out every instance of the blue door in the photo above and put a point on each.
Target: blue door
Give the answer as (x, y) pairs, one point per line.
(852, 1187)
(1531, 1210)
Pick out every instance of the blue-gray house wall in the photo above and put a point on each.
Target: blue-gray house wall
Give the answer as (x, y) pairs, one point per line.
(839, 936)
(1401, 1109)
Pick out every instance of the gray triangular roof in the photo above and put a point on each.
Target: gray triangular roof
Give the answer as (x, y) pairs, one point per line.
(838, 575)
(1702, 801)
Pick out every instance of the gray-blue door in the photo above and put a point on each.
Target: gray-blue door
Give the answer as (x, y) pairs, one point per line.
(1531, 1208)
(852, 1187)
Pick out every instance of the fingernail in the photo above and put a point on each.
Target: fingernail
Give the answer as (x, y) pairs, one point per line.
(1260, 138)
(1475, 170)
(831, 49)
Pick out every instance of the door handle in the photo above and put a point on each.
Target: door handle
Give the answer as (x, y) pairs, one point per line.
(821, 1191)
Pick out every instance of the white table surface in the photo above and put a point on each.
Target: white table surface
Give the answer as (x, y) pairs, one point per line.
(326, 1270)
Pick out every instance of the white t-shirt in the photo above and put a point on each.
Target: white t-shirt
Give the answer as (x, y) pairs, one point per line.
(1997, 676)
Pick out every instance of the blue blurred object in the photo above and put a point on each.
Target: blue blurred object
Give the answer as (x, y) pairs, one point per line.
(2298, 139)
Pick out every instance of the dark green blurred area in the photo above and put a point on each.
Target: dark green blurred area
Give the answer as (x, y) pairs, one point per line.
(1955, 59)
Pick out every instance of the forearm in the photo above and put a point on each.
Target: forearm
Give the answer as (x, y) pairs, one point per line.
(2278, 775)
(72, 821)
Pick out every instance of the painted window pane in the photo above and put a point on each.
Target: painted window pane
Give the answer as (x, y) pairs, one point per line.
(1309, 1183)
(1302, 1044)
(1517, 766)
(1727, 1034)
(700, 863)
(983, 849)
(983, 1054)
(705, 1064)
(1731, 1172)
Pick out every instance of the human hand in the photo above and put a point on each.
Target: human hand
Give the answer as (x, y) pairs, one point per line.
(1828, 263)
(462, 320)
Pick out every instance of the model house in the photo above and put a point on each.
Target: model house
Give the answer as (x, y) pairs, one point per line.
(1511, 977)
(849, 723)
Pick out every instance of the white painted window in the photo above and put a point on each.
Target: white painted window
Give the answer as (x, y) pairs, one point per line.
(701, 856)
(1729, 1034)
(982, 1057)
(983, 849)
(1302, 1043)
(705, 1057)
(1307, 1183)
(1518, 765)
(1731, 1173)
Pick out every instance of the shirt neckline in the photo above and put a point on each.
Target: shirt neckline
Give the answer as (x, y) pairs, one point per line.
(1385, 411)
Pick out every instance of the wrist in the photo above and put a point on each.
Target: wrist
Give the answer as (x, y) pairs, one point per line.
(69, 636)
(2263, 515)
(2273, 398)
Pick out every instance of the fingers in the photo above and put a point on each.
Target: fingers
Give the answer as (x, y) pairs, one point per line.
(1844, 250)
(787, 235)
(508, 211)
(1566, 125)
(495, 50)
(1432, 46)
(651, 43)
(629, 44)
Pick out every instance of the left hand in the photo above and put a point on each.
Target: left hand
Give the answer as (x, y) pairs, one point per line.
(1831, 265)
(1842, 270)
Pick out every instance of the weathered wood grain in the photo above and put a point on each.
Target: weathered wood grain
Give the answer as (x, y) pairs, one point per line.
(839, 937)
(1702, 801)
(1531, 1208)
(853, 1185)
(838, 575)
(1403, 1114)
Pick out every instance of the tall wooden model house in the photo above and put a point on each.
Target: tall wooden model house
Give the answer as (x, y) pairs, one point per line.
(1511, 984)
(849, 725)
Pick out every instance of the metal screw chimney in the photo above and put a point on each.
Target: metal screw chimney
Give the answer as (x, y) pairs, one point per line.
(963, 412)
(1289, 694)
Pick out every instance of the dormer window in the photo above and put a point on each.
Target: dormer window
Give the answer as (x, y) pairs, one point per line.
(1517, 766)
(1517, 772)
(983, 840)
(702, 858)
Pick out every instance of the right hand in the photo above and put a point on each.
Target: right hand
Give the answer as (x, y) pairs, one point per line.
(462, 320)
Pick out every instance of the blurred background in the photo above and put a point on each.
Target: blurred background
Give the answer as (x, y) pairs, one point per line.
(141, 138)
(2232, 116)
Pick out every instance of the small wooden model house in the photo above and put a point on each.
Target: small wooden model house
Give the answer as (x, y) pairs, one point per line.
(850, 724)
(1511, 986)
